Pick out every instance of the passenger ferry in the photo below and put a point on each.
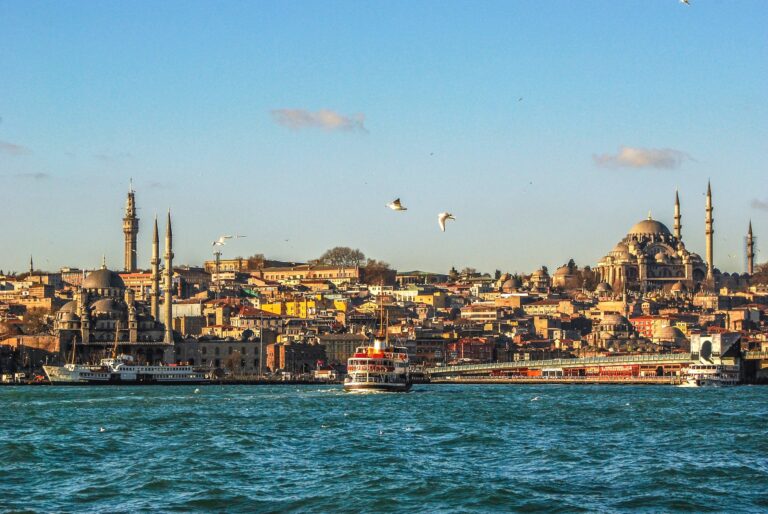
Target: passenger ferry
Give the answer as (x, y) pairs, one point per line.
(717, 375)
(378, 367)
(122, 370)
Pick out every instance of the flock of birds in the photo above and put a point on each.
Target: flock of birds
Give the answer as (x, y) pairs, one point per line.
(397, 205)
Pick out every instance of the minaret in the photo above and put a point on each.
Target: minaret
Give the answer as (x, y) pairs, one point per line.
(31, 266)
(130, 229)
(155, 262)
(168, 286)
(678, 217)
(750, 251)
(709, 232)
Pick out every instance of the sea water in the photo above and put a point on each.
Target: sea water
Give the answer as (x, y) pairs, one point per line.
(439, 448)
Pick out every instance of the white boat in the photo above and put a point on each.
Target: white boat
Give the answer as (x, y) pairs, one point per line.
(378, 367)
(718, 375)
(122, 370)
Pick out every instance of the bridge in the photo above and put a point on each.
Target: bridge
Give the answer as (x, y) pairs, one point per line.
(659, 359)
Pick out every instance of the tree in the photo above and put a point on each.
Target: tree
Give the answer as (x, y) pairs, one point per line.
(453, 275)
(342, 256)
(256, 261)
(232, 362)
(376, 273)
(497, 274)
(760, 276)
(588, 278)
(36, 322)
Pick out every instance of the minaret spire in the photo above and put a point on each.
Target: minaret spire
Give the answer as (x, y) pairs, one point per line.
(750, 250)
(155, 262)
(31, 265)
(709, 233)
(130, 229)
(678, 218)
(168, 285)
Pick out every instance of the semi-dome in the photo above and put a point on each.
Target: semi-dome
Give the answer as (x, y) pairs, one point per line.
(668, 333)
(103, 279)
(70, 306)
(603, 287)
(649, 227)
(611, 320)
(106, 306)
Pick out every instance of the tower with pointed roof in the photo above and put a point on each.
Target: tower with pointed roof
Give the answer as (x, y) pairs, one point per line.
(130, 230)
(168, 285)
(750, 251)
(155, 263)
(678, 218)
(709, 231)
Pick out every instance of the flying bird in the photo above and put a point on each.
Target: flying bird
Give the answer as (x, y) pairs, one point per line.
(221, 241)
(395, 205)
(686, 2)
(238, 236)
(442, 217)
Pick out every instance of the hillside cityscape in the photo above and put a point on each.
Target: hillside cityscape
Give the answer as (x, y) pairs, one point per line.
(257, 317)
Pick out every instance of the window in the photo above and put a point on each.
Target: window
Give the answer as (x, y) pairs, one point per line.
(216, 351)
(230, 350)
(204, 350)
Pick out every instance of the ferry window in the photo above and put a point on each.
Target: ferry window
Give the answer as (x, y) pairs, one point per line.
(204, 350)
(217, 363)
(230, 350)
(216, 351)
(243, 352)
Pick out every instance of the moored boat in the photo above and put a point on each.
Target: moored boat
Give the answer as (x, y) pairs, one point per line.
(718, 375)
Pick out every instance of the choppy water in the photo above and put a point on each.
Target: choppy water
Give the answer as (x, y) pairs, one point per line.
(437, 449)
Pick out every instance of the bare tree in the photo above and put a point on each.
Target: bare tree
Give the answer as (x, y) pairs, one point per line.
(342, 256)
(377, 273)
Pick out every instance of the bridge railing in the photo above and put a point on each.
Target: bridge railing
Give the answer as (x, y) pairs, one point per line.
(658, 358)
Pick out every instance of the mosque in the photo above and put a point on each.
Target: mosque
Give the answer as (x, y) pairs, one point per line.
(104, 315)
(651, 257)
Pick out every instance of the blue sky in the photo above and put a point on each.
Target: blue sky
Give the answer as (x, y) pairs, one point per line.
(510, 115)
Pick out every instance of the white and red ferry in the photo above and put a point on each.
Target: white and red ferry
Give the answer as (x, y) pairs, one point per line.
(378, 367)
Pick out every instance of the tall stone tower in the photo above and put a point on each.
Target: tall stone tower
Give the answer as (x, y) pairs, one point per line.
(750, 251)
(155, 262)
(130, 230)
(709, 232)
(678, 217)
(168, 285)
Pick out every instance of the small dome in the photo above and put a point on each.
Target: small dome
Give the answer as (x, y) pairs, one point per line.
(103, 279)
(562, 271)
(106, 306)
(68, 316)
(510, 285)
(620, 251)
(613, 320)
(70, 306)
(603, 287)
(649, 227)
(668, 333)
(679, 287)
(539, 273)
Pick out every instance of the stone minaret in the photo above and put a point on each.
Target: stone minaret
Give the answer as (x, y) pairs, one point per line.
(130, 230)
(709, 232)
(31, 266)
(750, 250)
(678, 217)
(155, 262)
(168, 286)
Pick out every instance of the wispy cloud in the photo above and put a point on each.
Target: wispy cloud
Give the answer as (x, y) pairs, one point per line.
(759, 204)
(158, 185)
(629, 157)
(34, 176)
(13, 149)
(297, 119)
(113, 157)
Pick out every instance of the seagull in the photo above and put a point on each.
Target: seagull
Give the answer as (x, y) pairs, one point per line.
(686, 2)
(102, 429)
(221, 241)
(395, 205)
(442, 217)
(197, 390)
(535, 398)
(238, 236)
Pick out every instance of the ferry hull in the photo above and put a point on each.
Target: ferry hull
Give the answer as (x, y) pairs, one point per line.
(60, 375)
(382, 387)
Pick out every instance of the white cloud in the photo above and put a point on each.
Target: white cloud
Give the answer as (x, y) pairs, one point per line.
(759, 204)
(297, 119)
(629, 157)
(13, 149)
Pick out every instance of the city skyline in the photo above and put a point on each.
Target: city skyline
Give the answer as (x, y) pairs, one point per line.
(547, 130)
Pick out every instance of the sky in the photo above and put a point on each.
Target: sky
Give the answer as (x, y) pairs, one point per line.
(547, 128)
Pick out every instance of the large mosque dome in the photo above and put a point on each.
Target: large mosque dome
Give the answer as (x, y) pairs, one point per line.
(649, 227)
(103, 279)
